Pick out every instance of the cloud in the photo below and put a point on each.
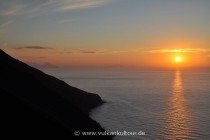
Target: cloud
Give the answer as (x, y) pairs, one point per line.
(5, 24)
(48, 6)
(4, 27)
(88, 52)
(187, 50)
(65, 5)
(67, 52)
(12, 10)
(95, 51)
(33, 47)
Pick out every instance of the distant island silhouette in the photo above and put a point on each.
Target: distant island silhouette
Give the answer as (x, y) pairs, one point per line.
(36, 105)
(41, 66)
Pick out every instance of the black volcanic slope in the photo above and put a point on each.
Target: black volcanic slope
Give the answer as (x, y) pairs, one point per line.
(37, 105)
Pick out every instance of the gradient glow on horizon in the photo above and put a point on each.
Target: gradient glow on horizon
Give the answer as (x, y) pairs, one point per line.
(107, 33)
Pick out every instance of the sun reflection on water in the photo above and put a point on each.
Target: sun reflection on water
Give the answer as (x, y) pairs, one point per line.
(177, 118)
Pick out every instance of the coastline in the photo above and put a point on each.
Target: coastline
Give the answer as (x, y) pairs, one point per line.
(42, 104)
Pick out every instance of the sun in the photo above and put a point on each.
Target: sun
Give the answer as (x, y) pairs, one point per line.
(178, 59)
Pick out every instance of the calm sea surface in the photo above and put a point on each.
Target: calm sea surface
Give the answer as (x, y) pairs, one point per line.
(163, 104)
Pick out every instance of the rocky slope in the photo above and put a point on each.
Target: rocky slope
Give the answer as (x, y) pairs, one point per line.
(34, 104)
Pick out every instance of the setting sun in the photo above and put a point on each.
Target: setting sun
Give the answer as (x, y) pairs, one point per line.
(178, 59)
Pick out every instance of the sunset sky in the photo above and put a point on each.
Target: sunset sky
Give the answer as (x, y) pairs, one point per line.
(107, 33)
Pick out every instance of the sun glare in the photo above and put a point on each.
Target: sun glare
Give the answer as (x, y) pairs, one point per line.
(178, 59)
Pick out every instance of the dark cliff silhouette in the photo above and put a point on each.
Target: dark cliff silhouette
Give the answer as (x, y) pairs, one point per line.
(36, 105)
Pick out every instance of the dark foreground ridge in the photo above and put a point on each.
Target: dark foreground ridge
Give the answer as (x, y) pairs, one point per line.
(36, 105)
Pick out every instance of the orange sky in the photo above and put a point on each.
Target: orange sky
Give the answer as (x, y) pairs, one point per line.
(107, 33)
(165, 58)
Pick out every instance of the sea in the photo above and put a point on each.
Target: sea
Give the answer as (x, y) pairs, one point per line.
(147, 104)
